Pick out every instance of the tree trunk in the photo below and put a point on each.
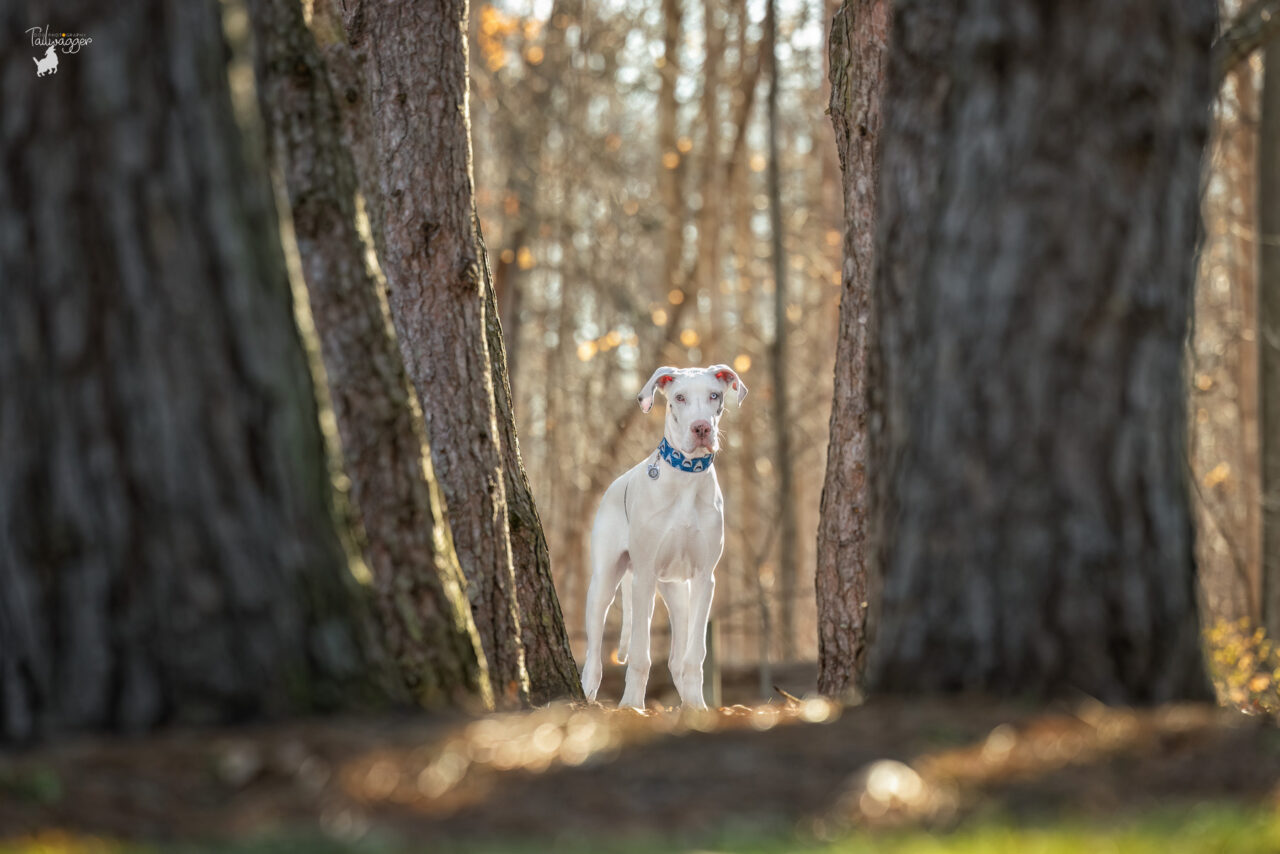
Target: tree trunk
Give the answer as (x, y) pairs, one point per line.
(788, 540)
(548, 659)
(859, 55)
(420, 587)
(669, 159)
(415, 60)
(167, 550)
(1269, 334)
(1038, 219)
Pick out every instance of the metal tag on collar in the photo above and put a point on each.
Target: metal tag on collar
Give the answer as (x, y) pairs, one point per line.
(653, 470)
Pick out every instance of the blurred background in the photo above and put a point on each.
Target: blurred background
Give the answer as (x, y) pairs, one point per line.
(1223, 356)
(621, 159)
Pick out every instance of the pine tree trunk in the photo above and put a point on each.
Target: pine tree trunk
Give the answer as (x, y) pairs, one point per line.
(1038, 220)
(420, 588)
(859, 55)
(415, 76)
(1269, 334)
(167, 550)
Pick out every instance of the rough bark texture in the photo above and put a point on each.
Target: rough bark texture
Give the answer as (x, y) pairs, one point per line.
(167, 550)
(415, 78)
(420, 588)
(553, 674)
(859, 55)
(1038, 217)
(788, 539)
(1269, 337)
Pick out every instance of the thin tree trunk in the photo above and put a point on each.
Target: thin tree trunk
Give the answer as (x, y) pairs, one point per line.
(669, 158)
(420, 587)
(1038, 220)
(788, 541)
(859, 55)
(1269, 335)
(415, 60)
(708, 263)
(167, 550)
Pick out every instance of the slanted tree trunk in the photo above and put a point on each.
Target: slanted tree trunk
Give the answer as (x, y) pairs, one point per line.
(859, 54)
(1269, 334)
(167, 550)
(788, 536)
(420, 587)
(1038, 219)
(415, 64)
(548, 658)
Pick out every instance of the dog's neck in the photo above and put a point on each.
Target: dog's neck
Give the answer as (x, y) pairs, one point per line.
(679, 461)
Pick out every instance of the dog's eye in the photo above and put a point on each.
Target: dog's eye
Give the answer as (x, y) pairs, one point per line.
(679, 398)
(715, 395)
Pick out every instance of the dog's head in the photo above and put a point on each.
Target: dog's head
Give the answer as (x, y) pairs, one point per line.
(695, 402)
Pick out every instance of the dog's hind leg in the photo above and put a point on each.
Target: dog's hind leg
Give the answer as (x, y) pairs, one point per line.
(605, 576)
(624, 639)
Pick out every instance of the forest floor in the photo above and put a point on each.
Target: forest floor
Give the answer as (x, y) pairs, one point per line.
(784, 776)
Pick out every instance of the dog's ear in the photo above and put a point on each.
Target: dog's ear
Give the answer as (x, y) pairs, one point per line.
(660, 378)
(730, 378)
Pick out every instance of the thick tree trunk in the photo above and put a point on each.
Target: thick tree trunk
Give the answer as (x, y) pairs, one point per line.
(167, 550)
(788, 539)
(420, 588)
(1038, 219)
(1269, 335)
(415, 59)
(859, 55)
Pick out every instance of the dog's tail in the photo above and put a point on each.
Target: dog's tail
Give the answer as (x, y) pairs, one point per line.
(624, 641)
(36, 60)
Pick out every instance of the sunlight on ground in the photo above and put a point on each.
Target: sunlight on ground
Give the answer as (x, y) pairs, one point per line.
(435, 779)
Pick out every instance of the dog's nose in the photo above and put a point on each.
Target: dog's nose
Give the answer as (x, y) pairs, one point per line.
(701, 429)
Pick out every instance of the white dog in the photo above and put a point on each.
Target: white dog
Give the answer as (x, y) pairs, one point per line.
(660, 528)
(48, 65)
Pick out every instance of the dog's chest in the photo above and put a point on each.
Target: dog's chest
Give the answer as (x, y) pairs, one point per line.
(682, 531)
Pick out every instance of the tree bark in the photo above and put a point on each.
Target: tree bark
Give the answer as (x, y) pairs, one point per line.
(1038, 218)
(416, 89)
(167, 550)
(859, 56)
(788, 540)
(1269, 335)
(420, 587)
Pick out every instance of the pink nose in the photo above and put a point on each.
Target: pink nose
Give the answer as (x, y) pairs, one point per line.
(701, 430)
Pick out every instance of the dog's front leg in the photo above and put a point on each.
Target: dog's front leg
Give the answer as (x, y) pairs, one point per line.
(643, 588)
(702, 588)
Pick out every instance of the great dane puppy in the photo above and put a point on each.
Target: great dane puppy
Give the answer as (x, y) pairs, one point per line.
(660, 529)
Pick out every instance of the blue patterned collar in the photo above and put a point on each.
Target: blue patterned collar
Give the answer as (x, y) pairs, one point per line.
(679, 461)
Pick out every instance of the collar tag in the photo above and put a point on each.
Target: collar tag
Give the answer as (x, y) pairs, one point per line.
(653, 470)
